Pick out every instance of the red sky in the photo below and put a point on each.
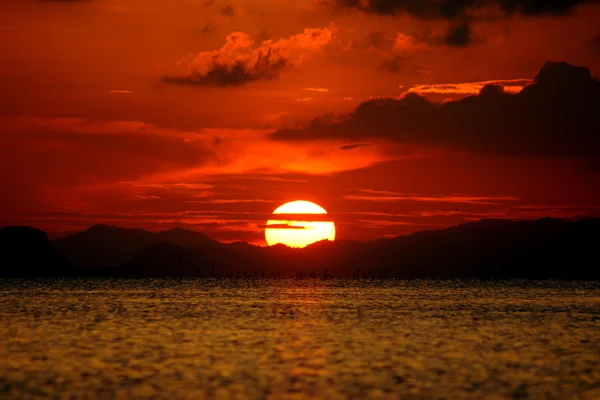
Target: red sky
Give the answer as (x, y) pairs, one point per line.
(210, 114)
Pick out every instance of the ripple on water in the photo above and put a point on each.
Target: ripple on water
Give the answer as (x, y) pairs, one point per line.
(292, 339)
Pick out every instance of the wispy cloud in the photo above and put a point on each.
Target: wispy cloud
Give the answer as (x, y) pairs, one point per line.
(186, 186)
(379, 224)
(353, 146)
(560, 207)
(387, 196)
(318, 90)
(467, 88)
(286, 226)
(265, 178)
(231, 201)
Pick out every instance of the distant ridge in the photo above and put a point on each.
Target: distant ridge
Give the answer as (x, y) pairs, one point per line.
(110, 246)
(490, 248)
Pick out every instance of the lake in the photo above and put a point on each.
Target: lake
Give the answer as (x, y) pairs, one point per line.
(339, 338)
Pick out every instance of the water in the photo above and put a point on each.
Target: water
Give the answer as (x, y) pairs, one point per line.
(293, 339)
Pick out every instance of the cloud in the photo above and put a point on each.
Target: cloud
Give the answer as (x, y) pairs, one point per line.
(241, 60)
(377, 40)
(405, 42)
(459, 13)
(227, 11)
(353, 146)
(318, 90)
(459, 35)
(231, 201)
(252, 152)
(60, 162)
(379, 224)
(266, 178)
(387, 196)
(172, 186)
(557, 115)
(395, 64)
(401, 63)
(208, 28)
(449, 10)
(286, 226)
(82, 151)
(470, 88)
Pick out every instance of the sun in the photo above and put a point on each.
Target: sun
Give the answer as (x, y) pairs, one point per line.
(294, 233)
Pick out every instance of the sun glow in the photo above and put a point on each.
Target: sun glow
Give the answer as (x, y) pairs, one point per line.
(295, 233)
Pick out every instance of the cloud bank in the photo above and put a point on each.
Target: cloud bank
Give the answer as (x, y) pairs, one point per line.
(460, 13)
(557, 115)
(452, 9)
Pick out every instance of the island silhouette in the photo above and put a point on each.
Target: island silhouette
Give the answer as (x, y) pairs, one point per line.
(546, 248)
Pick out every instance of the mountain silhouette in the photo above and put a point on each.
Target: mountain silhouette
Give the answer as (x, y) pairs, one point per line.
(545, 248)
(166, 260)
(110, 246)
(185, 238)
(27, 252)
(490, 248)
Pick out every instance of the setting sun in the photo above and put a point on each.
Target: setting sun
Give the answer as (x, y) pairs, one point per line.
(294, 233)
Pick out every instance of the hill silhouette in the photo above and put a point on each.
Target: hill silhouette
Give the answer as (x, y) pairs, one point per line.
(489, 248)
(110, 246)
(27, 252)
(166, 260)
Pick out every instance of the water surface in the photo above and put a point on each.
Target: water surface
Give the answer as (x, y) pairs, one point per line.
(297, 338)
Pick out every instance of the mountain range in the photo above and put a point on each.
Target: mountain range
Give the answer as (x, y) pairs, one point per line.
(490, 248)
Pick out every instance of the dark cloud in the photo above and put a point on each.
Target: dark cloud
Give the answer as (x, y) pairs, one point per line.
(557, 115)
(208, 28)
(452, 9)
(459, 35)
(373, 41)
(377, 40)
(395, 64)
(237, 74)
(398, 63)
(353, 146)
(282, 226)
(228, 11)
(459, 12)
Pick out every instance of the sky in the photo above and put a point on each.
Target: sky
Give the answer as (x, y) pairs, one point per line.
(395, 116)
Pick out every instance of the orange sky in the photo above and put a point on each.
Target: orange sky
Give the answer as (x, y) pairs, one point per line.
(196, 113)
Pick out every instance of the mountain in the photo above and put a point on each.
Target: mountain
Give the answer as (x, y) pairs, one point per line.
(28, 252)
(544, 248)
(166, 260)
(109, 246)
(489, 248)
(185, 238)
